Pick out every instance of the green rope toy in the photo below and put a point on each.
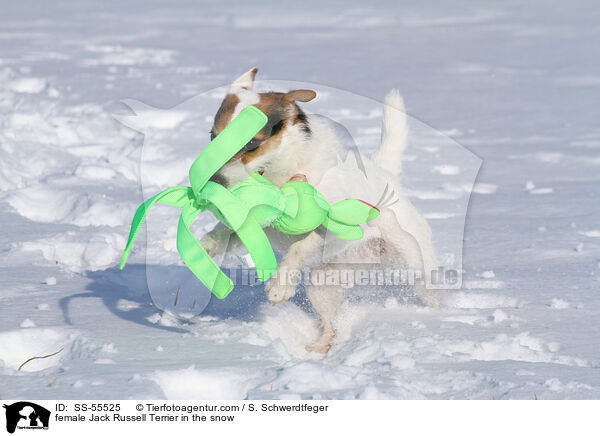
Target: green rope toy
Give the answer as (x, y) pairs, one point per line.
(295, 208)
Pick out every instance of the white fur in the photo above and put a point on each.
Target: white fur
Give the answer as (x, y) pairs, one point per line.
(394, 134)
(247, 98)
(334, 172)
(245, 81)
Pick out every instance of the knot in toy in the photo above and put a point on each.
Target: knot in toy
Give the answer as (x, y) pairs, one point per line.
(295, 208)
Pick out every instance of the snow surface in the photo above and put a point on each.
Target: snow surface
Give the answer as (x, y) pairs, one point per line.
(516, 83)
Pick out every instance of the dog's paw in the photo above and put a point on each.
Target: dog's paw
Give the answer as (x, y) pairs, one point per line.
(209, 244)
(318, 348)
(322, 345)
(277, 293)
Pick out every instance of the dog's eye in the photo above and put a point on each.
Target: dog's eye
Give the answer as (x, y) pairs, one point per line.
(276, 128)
(252, 145)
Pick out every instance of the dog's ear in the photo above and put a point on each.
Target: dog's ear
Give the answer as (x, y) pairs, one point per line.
(303, 95)
(245, 81)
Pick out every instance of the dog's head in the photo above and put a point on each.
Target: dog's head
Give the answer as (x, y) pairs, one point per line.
(286, 121)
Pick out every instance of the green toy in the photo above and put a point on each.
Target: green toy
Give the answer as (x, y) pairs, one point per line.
(295, 208)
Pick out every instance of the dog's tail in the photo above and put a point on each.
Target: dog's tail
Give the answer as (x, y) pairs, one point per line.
(394, 134)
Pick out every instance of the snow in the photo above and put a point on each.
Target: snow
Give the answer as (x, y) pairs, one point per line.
(205, 384)
(27, 323)
(487, 274)
(447, 170)
(16, 346)
(515, 84)
(559, 304)
(484, 188)
(27, 85)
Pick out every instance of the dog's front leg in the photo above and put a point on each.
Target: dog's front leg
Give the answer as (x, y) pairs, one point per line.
(283, 284)
(219, 239)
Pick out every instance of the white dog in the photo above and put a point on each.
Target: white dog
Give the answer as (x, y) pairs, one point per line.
(297, 145)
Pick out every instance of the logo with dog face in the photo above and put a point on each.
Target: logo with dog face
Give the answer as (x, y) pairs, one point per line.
(26, 415)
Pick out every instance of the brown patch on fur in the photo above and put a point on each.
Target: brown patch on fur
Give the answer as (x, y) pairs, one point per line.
(274, 105)
(281, 110)
(271, 102)
(301, 119)
(265, 146)
(224, 114)
(303, 95)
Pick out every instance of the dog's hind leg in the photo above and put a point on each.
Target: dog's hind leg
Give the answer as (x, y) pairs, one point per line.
(413, 247)
(326, 301)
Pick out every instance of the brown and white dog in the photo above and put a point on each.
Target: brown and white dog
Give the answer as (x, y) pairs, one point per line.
(300, 145)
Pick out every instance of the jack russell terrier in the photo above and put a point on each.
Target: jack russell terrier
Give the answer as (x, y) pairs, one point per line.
(300, 146)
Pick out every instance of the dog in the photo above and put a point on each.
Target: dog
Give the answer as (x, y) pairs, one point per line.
(300, 146)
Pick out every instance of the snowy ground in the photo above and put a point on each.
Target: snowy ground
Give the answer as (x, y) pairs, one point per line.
(516, 83)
